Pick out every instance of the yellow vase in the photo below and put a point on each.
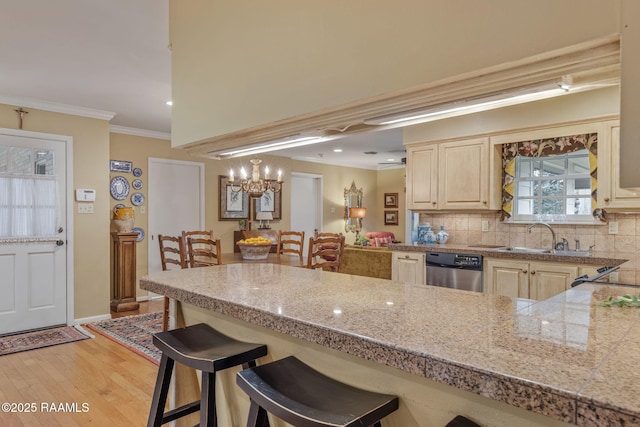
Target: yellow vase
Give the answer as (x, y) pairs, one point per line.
(123, 219)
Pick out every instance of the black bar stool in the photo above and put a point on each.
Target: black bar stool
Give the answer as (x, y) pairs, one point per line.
(461, 421)
(303, 397)
(200, 347)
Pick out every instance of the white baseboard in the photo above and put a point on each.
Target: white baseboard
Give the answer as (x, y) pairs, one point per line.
(91, 319)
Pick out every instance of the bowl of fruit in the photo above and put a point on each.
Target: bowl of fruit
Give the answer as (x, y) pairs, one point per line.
(255, 247)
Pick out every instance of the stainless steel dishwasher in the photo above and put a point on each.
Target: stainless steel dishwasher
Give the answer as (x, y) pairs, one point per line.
(454, 270)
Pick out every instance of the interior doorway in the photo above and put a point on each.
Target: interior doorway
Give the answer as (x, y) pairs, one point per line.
(176, 202)
(306, 203)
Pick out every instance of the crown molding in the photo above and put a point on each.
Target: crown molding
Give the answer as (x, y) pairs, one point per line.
(57, 107)
(140, 132)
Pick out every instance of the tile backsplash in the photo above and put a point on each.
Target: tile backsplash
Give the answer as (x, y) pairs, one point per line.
(466, 229)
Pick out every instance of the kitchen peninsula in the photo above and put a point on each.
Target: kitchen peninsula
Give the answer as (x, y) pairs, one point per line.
(498, 360)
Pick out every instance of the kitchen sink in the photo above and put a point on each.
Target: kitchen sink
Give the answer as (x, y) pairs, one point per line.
(523, 250)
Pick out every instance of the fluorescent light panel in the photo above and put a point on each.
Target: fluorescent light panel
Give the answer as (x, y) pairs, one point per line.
(273, 145)
(480, 103)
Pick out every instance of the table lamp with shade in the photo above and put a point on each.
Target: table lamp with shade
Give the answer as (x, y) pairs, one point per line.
(262, 217)
(358, 214)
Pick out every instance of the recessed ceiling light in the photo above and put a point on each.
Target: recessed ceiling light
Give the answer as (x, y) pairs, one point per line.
(337, 150)
(169, 103)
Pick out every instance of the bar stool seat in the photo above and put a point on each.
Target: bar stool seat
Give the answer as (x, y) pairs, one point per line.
(303, 397)
(200, 347)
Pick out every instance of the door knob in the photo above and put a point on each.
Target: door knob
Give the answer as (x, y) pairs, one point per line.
(59, 242)
(60, 229)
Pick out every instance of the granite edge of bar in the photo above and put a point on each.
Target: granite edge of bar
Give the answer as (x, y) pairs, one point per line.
(563, 405)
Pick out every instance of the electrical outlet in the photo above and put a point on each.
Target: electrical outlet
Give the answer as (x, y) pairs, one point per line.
(485, 225)
(85, 208)
(333, 210)
(143, 210)
(613, 227)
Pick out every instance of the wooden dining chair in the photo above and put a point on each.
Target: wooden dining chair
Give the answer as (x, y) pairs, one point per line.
(204, 252)
(171, 252)
(325, 252)
(290, 242)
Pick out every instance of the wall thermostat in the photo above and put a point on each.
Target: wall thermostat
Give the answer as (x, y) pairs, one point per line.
(85, 195)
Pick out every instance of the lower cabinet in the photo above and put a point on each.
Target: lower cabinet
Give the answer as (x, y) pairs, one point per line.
(409, 267)
(529, 279)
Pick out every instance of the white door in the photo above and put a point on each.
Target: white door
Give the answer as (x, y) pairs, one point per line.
(306, 204)
(34, 290)
(176, 201)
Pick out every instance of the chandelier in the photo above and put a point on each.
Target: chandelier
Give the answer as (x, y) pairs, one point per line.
(256, 186)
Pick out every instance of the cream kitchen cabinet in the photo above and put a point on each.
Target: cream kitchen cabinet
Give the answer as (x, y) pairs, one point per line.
(409, 267)
(528, 279)
(422, 177)
(454, 175)
(611, 196)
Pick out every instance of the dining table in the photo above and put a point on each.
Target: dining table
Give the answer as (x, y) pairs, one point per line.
(272, 258)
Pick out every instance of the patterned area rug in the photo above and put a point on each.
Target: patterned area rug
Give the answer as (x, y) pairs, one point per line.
(39, 339)
(133, 332)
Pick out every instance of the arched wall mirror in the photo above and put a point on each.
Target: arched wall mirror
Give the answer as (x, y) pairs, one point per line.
(352, 199)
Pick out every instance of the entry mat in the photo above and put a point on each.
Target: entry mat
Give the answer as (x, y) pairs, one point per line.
(32, 340)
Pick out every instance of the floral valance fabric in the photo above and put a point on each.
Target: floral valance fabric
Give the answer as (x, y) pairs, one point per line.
(545, 148)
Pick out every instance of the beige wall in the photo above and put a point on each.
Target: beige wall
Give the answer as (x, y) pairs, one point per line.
(335, 179)
(90, 170)
(94, 146)
(238, 64)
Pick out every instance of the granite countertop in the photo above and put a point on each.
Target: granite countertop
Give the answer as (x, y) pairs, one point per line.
(567, 357)
(493, 251)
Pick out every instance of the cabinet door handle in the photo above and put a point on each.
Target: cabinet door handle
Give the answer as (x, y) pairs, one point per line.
(533, 272)
(406, 257)
(606, 199)
(484, 202)
(524, 271)
(434, 203)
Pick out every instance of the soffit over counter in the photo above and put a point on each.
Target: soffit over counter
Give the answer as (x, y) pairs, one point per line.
(589, 65)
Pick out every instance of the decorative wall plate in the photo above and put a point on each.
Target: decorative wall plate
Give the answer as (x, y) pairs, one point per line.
(140, 231)
(137, 172)
(119, 205)
(137, 199)
(119, 188)
(137, 184)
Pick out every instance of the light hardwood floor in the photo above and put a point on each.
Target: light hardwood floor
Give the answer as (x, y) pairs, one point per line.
(115, 384)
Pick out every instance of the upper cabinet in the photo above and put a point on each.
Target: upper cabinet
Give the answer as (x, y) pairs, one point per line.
(453, 175)
(422, 176)
(610, 195)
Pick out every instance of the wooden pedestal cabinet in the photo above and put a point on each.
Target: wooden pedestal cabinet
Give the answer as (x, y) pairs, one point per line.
(123, 271)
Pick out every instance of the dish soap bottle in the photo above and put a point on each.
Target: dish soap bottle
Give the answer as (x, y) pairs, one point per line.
(442, 236)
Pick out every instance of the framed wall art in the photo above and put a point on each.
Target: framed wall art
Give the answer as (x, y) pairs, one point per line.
(269, 202)
(120, 166)
(390, 200)
(233, 205)
(390, 217)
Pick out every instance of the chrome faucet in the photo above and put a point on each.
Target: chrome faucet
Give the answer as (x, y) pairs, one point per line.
(553, 233)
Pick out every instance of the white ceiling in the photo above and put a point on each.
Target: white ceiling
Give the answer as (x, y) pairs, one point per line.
(113, 56)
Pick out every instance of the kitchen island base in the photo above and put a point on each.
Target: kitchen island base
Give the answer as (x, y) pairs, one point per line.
(423, 402)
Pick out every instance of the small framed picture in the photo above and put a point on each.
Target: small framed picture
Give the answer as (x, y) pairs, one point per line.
(390, 200)
(269, 202)
(234, 205)
(120, 166)
(390, 217)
